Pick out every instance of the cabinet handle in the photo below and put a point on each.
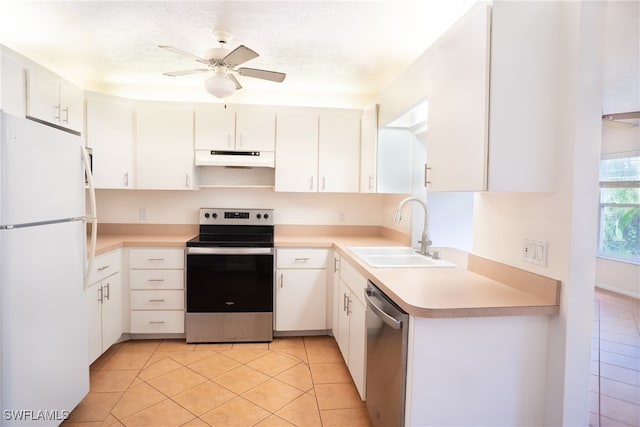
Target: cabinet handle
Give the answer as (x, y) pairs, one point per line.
(323, 182)
(100, 300)
(336, 265)
(349, 306)
(281, 280)
(427, 168)
(66, 118)
(156, 300)
(57, 107)
(155, 259)
(155, 280)
(370, 182)
(108, 286)
(344, 302)
(156, 322)
(126, 179)
(311, 184)
(186, 180)
(104, 267)
(301, 259)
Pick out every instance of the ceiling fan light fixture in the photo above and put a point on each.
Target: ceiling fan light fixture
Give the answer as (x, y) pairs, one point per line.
(220, 85)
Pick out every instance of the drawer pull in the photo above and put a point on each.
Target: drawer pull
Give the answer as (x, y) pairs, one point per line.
(104, 267)
(156, 300)
(156, 280)
(156, 322)
(301, 259)
(155, 259)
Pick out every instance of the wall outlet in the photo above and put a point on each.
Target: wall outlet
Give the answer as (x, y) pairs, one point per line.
(535, 251)
(144, 214)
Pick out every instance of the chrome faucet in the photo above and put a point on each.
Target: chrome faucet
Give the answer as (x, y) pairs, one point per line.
(425, 243)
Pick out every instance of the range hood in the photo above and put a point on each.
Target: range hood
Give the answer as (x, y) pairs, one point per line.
(247, 159)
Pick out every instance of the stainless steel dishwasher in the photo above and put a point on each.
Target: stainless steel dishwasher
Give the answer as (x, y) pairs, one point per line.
(387, 335)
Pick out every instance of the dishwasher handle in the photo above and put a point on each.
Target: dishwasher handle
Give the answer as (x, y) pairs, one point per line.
(385, 317)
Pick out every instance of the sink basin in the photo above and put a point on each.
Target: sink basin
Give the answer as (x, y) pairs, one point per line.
(396, 256)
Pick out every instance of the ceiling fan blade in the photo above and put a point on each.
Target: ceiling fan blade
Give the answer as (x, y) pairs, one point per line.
(183, 53)
(237, 83)
(185, 72)
(274, 76)
(238, 56)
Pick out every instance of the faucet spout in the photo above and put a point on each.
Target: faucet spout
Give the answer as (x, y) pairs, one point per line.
(425, 243)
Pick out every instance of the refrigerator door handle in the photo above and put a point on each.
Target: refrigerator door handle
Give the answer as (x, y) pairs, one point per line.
(92, 217)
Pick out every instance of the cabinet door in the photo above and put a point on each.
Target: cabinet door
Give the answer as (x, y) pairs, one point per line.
(43, 96)
(215, 128)
(357, 344)
(93, 304)
(112, 327)
(164, 147)
(71, 106)
(368, 149)
(339, 153)
(255, 131)
(301, 300)
(343, 320)
(297, 152)
(110, 134)
(457, 139)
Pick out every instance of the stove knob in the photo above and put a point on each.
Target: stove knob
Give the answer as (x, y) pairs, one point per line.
(258, 216)
(266, 216)
(214, 215)
(206, 215)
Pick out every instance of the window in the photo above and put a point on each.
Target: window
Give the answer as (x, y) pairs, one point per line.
(620, 209)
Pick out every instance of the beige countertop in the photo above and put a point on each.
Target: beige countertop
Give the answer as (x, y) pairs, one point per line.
(475, 287)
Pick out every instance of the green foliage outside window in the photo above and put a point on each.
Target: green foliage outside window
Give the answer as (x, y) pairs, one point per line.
(620, 208)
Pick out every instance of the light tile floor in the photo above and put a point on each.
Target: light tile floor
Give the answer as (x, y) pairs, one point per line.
(288, 382)
(615, 361)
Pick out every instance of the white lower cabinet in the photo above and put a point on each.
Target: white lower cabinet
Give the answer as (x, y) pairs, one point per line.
(351, 330)
(301, 283)
(157, 290)
(103, 299)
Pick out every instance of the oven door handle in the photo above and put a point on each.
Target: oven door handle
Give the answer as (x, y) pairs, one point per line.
(229, 251)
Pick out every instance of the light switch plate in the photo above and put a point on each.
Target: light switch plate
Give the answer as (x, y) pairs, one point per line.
(535, 251)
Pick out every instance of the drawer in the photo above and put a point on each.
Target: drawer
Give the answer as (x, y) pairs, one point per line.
(105, 265)
(354, 280)
(156, 258)
(302, 258)
(157, 300)
(156, 279)
(153, 322)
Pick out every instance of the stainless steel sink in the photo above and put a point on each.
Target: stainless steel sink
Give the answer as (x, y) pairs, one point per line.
(396, 256)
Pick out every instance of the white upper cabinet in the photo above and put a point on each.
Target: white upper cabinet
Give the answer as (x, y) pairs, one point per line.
(297, 152)
(12, 84)
(219, 128)
(369, 149)
(109, 133)
(164, 146)
(339, 153)
(54, 100)
(458, 76)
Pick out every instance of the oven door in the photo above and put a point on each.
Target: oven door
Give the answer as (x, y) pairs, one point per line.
(229, 280)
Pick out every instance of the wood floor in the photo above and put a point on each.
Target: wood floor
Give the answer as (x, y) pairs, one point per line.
(615, 361)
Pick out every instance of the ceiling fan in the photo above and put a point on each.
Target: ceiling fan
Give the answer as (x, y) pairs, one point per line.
(223, 62)
(616, 120)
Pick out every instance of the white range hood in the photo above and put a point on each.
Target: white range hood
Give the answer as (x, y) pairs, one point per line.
(249, 159)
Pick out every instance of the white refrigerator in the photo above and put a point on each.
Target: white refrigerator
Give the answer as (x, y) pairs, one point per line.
(44, 344)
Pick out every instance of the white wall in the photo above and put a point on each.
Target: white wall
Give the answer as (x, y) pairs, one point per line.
(566, 218)
(617, 276)
(181, 207)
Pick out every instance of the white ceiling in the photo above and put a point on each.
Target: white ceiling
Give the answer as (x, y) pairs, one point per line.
(335, 53)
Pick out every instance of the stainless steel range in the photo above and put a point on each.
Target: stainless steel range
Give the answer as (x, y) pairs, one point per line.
(230, 277)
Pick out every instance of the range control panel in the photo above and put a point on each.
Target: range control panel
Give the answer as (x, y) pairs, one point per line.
(210, 216)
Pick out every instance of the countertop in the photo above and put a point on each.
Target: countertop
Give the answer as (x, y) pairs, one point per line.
(476, 287)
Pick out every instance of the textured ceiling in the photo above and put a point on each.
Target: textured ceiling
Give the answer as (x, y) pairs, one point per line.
(332, 51)
(335, 53)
